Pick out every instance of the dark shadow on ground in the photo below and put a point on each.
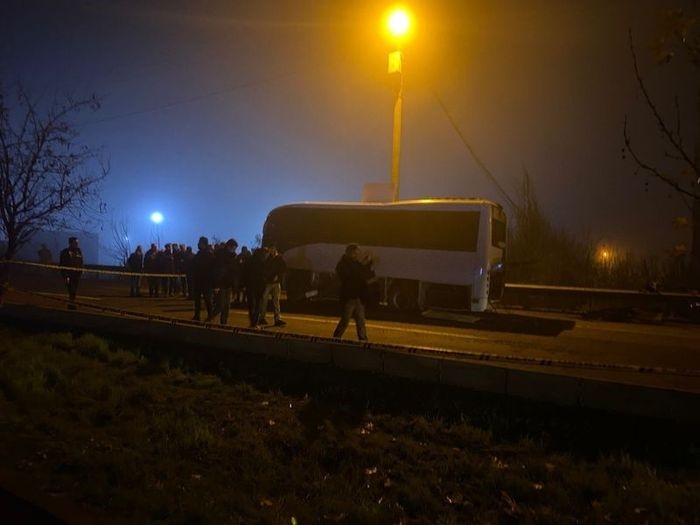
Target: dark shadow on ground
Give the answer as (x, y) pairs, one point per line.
(489, 321)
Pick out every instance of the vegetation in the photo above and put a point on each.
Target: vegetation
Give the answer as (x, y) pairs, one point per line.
(135, 433)
(539, 253)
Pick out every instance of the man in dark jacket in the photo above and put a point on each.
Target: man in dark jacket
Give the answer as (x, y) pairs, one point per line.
(254, 281)
(226, 274)
(354, 277)
(186, 268)
(166, 266)
(150, 266)
(202, 279)
(71, 257)
(274, 271)
(135, 267)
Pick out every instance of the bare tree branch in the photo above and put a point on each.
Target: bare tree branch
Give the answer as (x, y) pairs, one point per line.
(672, 138)
(46, 176)
(120, 248)
(652, 169)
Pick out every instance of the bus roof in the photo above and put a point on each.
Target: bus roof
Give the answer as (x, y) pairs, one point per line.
(441, 203)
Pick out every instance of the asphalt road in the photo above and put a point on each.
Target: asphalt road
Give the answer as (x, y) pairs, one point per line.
(651, 353)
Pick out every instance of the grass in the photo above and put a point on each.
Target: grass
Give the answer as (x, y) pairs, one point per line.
(139, 435)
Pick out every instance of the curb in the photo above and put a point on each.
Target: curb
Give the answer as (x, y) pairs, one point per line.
(392, 360)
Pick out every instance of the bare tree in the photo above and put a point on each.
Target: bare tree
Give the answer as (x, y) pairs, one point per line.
(120, 248)
(678, 35)
(47, 178)
(538, 252)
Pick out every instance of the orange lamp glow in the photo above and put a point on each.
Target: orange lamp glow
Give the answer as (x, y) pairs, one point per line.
(398, 23)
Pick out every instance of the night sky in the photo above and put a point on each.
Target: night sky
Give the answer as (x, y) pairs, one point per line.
(215, 112)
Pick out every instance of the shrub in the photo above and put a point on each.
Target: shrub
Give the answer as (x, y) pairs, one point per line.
(92, 346)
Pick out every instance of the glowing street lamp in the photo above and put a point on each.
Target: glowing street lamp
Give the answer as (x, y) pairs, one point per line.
(398, 26)
(156, 217)
(399, 22)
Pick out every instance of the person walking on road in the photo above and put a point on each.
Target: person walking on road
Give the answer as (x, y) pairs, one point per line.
(71, 259)
(354, 276)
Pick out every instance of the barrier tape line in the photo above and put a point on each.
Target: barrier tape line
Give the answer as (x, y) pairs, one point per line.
(478, 356)
(91, 270)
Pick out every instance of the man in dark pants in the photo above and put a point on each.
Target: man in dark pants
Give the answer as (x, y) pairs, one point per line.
(354, 278)
(71, 257)
(202, 279)
(226, 272)
(274, 271)
(150, 265)
(135, 267)
(254, 282)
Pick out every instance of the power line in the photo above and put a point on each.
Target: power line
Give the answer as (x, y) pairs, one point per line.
(189, 100)
(476, 158)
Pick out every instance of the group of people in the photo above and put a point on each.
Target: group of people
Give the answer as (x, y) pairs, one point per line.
(170, 261)
(216, 275)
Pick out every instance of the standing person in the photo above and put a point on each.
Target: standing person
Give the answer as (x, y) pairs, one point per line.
(202, 281)
(150, 265)
(273, 271)
(226, 264)
(135, 265)
(187, 258)
(254, 282)
(354, 278)
(175, 281)
(240, 291)
(44, 254)
(166, 266)
(181, 267)
(71, 257)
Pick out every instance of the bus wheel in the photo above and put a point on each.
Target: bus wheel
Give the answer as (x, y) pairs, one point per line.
(403, 296)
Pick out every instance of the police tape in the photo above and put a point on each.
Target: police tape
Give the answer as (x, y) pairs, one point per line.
(429, 351)
(123, 273)
(562, 363)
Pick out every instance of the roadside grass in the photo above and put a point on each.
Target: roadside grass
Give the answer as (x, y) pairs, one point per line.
(147, 434)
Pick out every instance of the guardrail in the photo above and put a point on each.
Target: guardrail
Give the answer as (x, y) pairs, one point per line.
(603, 302)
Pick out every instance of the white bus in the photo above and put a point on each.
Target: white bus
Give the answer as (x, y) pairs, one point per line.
(447, 253)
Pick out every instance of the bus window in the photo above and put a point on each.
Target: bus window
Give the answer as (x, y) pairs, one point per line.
(498, 233)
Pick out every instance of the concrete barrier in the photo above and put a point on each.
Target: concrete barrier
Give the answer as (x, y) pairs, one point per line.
(393, 360)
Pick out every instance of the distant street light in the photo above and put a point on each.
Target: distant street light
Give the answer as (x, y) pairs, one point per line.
(398, 25)
(606, 256)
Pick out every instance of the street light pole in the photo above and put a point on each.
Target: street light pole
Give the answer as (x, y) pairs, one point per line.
(396, 134)
(398, 25)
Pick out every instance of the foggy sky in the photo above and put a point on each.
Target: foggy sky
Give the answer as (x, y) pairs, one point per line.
(213, 114)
